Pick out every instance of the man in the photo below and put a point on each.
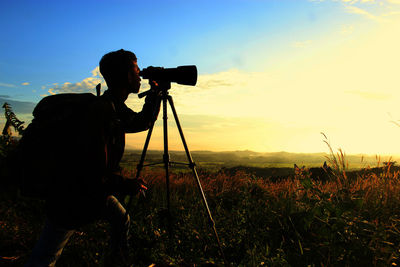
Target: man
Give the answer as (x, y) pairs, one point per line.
(90, 193)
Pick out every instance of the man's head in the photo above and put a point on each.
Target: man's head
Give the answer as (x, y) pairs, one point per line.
(120, 70)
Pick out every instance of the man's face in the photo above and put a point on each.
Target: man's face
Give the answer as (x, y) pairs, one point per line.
(134, 79)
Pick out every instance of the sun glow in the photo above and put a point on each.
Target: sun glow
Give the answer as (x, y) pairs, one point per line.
(349, 91)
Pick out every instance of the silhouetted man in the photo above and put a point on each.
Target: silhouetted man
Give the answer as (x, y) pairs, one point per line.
(90, 193)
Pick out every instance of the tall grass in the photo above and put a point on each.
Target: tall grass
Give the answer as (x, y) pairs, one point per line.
(351, 220)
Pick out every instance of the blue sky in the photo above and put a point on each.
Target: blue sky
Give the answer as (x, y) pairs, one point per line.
(46, 42)
(257, 61)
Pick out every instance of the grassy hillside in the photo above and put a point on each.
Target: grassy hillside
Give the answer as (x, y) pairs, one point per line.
(347, 221)
(264, 216)
(208, 159)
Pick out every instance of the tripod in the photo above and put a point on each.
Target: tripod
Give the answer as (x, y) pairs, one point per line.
(165, 99)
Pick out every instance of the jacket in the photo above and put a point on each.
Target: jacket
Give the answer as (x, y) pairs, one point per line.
(82, 196)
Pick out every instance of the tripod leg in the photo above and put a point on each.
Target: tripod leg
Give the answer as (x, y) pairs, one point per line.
(139, 167)
(192, 165)
(166, 152)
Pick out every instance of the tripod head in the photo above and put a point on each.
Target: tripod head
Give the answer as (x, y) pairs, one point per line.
(162, 86)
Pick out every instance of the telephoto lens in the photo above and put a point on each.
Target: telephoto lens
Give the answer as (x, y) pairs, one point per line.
(186, 75)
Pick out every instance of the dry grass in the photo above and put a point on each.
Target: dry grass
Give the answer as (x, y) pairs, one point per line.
(352, 219)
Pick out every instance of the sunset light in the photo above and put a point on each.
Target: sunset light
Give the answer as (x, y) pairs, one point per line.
(200, 133)
(267, 82)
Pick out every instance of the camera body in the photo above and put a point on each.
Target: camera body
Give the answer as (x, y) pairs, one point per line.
(186, 75)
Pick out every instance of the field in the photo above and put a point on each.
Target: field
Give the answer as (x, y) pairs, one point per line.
(350, 220)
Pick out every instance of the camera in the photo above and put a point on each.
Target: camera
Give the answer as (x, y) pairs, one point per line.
(186, 75)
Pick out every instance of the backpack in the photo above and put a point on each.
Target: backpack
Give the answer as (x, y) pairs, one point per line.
(49, 142)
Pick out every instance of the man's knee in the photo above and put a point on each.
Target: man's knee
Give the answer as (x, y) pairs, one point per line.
(115, 212)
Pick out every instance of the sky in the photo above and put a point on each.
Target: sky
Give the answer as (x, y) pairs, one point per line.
(273, 74)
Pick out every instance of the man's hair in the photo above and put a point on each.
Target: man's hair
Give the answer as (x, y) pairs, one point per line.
(114, 66)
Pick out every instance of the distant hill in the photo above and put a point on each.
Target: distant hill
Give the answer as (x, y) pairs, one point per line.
(255, 159)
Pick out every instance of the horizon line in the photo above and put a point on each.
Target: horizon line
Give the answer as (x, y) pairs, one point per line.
(266, 152)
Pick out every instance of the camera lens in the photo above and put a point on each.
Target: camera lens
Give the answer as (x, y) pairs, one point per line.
(186, 75)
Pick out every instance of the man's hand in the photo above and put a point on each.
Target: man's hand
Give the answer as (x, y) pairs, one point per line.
(158, 86)
(134, 186)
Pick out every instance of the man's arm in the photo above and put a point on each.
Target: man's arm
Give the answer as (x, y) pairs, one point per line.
(134, 122)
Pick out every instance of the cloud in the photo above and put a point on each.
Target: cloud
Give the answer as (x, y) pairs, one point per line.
(96, 72)
(25, 83)
(221, 79)
(357, 10)
(371, 9)
(349, 1)
(392, 13)
(86, 85)
(19, 107)
(9, 85)
(51, 91)
(352, 2)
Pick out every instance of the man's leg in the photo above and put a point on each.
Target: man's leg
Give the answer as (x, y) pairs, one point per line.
(50, 245)
(119, 221)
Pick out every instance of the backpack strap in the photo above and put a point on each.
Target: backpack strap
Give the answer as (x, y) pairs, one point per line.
(98, 88)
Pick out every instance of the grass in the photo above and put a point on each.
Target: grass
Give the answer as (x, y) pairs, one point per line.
(351, 220)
